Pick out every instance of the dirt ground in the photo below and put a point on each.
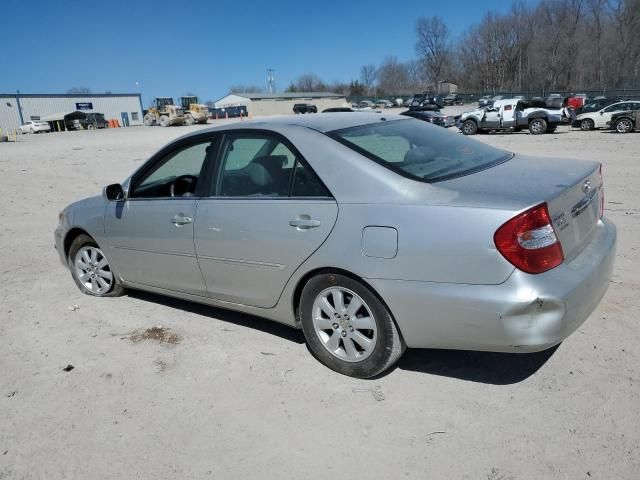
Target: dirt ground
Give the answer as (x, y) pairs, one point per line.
(148, 387)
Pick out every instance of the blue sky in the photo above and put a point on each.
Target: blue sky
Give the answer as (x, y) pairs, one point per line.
(168, 48)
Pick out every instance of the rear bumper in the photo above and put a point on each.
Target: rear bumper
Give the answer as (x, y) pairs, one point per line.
(526, 313)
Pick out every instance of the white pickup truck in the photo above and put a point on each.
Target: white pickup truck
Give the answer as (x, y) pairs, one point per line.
(515, 114)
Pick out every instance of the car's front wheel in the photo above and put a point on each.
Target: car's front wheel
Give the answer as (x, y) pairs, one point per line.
(347, 327)
(469, 127)
(586, 125)
(90, 269)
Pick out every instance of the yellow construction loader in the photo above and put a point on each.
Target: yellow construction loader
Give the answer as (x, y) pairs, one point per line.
(164, 113)
(194, 112)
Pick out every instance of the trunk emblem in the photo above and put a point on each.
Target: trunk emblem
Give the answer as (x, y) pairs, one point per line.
(586, 186)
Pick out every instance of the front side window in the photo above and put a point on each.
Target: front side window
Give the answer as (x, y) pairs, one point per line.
(175, 175)
(257, 165)
(417, 150)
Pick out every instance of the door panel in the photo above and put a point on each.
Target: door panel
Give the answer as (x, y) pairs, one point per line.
(151, 243)
(248, 248)
(491, 119)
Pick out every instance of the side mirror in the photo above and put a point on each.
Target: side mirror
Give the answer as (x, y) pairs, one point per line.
(114, 192)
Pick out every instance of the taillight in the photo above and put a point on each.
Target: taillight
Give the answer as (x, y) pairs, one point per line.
(601, 193)
(529, 242)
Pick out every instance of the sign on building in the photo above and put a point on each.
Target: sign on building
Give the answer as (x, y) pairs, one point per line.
(84, 106)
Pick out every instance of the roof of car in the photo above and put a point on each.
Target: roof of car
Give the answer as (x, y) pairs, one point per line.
(325, 122)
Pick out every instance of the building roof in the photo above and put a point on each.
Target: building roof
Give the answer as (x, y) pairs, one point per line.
(282, 96)
(67, 95)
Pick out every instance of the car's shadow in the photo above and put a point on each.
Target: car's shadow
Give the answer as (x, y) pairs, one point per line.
(480, 367)
(228, 316)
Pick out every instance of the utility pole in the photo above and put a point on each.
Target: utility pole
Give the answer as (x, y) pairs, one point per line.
(271, 82)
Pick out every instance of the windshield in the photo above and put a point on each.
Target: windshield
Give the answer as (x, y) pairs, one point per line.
(418, 150)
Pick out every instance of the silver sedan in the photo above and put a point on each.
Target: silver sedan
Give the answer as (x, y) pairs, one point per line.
(370, 232)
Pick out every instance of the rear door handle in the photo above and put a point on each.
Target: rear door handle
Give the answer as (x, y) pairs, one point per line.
(304, 222)
(179, 220)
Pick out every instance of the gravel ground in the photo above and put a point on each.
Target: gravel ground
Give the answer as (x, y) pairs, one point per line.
(165, 389)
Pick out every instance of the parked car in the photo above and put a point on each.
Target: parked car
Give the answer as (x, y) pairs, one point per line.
(337, 109)
(576, 101)
(436, 118)
(625, 122)
(384, 104)
(366, 104)
(34, 126)
(599, 118)
(514, 114)
(426, 101)
(485, 101)
(453, 99)
(304, 108)
(90, 121)
(441, 242)
(596, 105)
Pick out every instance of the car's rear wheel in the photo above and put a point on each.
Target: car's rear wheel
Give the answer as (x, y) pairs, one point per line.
(91, 270)
(537, 126)
(624, 125)
(347, 327)
(469, 127)
(586, 125)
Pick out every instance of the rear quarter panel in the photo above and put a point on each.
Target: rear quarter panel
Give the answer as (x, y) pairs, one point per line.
(435, 244)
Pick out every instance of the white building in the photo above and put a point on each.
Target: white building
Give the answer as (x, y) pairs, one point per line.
(17, 108)
(281, 103)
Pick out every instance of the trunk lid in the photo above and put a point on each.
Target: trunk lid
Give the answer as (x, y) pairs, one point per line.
(570, 187)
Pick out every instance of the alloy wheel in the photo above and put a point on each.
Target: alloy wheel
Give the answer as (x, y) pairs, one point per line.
(92, 270)
(623, 126)
(344, 324)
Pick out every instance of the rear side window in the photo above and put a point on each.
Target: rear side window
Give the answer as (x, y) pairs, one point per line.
(262, 166)
(418, 150)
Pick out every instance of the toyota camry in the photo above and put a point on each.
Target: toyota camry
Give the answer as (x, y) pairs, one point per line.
(370, 232)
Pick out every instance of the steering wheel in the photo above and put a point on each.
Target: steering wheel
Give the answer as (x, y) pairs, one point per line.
(184, 185)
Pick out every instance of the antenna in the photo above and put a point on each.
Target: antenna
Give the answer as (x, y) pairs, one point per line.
(271, 81)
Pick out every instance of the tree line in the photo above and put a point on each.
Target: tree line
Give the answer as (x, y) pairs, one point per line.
(555, 45)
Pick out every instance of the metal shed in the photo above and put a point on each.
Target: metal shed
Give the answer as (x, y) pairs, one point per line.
(17, 108)
(281, 103)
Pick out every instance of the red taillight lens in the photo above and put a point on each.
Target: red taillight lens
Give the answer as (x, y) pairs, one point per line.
(601, 193)
(529, 242)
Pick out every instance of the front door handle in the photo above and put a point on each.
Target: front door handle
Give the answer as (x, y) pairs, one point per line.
(304, 222)
(179, 220)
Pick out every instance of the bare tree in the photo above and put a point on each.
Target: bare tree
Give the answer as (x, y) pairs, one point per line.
(392, 76)
(245, 89)
(415, 74)
(432, 45)
(309, 82)
(368, 74)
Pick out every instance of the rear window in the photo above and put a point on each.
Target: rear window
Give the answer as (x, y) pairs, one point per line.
(420, 151)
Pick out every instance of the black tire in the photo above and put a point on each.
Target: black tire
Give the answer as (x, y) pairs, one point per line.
(469, 127)
(537, 126)
(586, 125)
(389, 345)
(624, 125)
(79, 242)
